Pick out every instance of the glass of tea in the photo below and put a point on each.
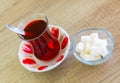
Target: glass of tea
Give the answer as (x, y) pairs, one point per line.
(34, 29)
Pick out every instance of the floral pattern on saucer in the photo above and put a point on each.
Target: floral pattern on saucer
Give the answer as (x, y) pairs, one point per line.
(30, 62)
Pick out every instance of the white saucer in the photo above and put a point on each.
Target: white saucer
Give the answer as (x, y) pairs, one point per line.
(42, 66)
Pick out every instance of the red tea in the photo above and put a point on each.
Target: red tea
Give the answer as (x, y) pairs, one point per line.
(45, 46)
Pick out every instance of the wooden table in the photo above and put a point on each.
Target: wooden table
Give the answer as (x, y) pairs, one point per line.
(72, 15)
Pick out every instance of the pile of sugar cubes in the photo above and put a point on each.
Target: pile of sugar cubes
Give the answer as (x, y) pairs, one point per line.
(91, 47)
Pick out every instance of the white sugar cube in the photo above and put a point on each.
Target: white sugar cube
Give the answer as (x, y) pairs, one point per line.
(104, 42)
(103, 51)
(94, 35)
(94, 38)
(87, 48)
(97, 57)
(79, 47)
(99, 42)
(94, 51)
(82, 55)
(96, 42)
(87, 57)
(85, 39)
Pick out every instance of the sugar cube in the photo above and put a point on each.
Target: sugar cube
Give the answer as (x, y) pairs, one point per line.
(85, 39)
(94, 35)
(94, 51)
(103, 51)
(89, 57)
(104, 42)
(79, 47)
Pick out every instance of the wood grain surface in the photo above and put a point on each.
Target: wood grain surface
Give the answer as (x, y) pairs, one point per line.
(72, 15)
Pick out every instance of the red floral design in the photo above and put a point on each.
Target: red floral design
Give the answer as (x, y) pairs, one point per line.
(27, 48)
(28, 61)
(55, 31)
(42, 67)
(64, 42)
(60, 58)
